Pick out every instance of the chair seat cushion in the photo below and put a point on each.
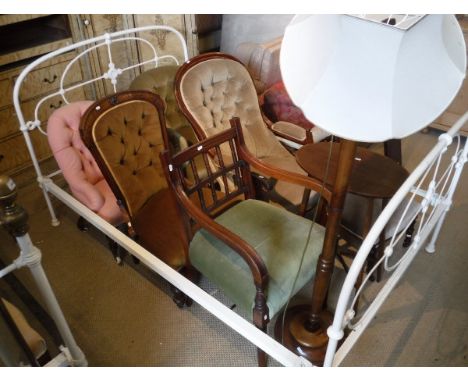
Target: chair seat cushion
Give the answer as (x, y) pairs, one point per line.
(278, 236)
(160, 229)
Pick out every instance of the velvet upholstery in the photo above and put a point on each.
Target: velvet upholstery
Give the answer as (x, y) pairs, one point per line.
(214, 90)
(160, 80)
(125, 133)
(78, 166)
(128, 137)
(286, 118)
(250, 248)
(277, 235)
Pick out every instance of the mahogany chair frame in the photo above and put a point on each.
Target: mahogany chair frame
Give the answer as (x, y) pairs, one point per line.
(196, 217)
(87, 134)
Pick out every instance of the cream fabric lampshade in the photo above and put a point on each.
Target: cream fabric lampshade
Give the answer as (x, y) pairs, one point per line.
(367, 81)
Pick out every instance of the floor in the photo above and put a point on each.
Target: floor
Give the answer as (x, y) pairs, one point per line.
(124, 316)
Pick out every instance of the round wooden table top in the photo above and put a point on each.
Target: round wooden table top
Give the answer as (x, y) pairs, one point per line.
(373, 175)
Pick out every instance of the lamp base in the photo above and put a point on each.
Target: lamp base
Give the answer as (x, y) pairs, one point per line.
(311, 345)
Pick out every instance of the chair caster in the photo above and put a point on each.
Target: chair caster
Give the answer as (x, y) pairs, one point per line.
(82, 224)
(180, 298)
(118, 260)
(408, 240)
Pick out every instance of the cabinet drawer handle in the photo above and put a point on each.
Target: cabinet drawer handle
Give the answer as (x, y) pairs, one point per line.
(52, 106)
(52, 80)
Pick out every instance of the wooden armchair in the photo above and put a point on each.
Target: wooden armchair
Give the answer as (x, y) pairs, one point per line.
(257, 253)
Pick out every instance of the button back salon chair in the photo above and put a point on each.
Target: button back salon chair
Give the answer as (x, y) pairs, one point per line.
(80, 170)
(211, 89)
(124, 134)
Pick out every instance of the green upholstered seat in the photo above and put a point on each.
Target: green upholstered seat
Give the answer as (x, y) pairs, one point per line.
(279, 238)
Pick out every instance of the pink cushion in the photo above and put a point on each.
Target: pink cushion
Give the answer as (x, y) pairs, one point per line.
(78, 165)
(277, 106)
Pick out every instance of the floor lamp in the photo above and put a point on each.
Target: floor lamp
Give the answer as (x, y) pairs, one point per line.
(367, 78)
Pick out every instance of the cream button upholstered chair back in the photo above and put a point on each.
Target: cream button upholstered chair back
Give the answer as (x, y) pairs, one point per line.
(213, 88)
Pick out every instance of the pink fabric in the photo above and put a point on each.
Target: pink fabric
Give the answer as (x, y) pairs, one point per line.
(78, 165)
(278, 106)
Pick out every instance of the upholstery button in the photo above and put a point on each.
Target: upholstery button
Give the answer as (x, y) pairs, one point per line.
(125, 121)
(109, 132)
(143, 115)
(134, 172)
(122, 161)
(122, 141)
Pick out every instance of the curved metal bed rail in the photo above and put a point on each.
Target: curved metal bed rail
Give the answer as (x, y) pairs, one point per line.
(432, 189)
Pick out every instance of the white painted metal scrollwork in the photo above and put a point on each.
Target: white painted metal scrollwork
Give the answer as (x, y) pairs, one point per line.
(46, 182)
(111, 74)
(426, 195)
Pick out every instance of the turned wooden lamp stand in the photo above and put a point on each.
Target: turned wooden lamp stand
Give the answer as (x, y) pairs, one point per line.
(305, 326)
(370, 79)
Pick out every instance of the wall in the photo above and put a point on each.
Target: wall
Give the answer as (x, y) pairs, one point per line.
(251, 28)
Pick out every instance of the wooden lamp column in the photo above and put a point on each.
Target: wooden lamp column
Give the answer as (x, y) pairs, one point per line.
(366, 78)
(305, 326)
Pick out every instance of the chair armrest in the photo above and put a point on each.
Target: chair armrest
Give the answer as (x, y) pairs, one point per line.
(292, 132)
(203, 220)
(275, 172)
(240, 246)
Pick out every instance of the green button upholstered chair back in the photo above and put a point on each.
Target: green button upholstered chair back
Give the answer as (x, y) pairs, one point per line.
(257, 253)
(160, 81)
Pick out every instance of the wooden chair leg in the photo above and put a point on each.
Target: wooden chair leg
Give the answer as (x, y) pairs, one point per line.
(180, 298)
(409, 235)
(304, 202)
(82, 224)
(261, 319)
(262, 358)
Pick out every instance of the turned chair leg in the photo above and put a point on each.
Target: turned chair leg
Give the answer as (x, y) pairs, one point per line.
(179, 297)
(82, 224)
(261, 319)
(117, 251)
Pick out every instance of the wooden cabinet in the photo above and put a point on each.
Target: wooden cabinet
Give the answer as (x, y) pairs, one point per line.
(35, 35)
(460, 104)
(29, 36)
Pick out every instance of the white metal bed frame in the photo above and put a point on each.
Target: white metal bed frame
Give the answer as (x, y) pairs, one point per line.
(435, 202)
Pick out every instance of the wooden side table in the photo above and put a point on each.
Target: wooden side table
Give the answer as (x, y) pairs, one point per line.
(372, 176)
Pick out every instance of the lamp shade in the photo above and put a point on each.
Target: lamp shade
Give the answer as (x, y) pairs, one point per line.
(369, 81)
